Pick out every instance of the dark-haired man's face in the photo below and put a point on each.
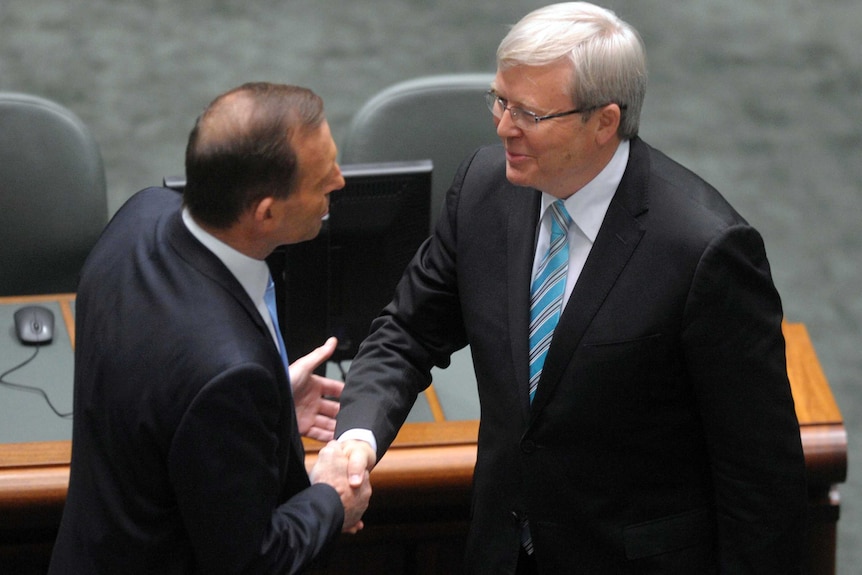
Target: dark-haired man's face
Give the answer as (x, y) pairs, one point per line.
(317, 176)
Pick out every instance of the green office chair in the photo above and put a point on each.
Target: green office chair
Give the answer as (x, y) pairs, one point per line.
(441, 118)
(52, 190)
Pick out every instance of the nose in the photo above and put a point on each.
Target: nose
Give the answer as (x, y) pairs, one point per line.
(338, 181)
(506, 128)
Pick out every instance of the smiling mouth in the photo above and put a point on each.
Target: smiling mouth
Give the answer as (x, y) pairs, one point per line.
(514, 156)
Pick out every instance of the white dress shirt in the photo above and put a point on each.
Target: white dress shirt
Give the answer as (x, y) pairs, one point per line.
(252, 274)
(587, 208)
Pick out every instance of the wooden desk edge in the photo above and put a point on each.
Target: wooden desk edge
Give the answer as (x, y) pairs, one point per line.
(412, 435)
(812, 395)
(39, 472)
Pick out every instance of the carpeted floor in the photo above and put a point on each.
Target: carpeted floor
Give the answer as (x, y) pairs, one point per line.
(761, 98)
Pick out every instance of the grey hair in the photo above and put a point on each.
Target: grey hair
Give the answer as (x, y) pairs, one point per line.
(607, 55)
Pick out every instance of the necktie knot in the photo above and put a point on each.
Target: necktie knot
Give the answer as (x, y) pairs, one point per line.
(269, 294)
(561, 219)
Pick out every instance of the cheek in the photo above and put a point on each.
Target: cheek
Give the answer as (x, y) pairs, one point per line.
(566, 155)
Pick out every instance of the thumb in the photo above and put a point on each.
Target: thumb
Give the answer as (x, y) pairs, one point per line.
(358, 464)
(320, 354)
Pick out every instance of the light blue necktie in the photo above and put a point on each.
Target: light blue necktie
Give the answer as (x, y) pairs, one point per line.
(546, 293)
(269, 299)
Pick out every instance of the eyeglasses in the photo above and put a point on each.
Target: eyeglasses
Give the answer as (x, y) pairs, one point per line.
(525, 119)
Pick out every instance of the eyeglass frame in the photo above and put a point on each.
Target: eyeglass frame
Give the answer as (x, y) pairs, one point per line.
(492, 99)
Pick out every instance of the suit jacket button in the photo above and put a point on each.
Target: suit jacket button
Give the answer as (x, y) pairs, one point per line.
(528, 446)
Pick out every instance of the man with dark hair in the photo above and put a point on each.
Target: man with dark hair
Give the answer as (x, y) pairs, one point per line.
(186, 452)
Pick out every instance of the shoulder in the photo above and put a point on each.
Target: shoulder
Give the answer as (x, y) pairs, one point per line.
(143, 211)
(486, 165)
(677, 196)
(149, 203)
(481, 178)
(481, 195)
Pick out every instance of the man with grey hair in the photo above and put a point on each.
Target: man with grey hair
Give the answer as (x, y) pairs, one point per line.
(636, 415)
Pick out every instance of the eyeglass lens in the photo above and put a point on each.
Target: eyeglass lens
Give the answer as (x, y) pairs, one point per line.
(520, 117)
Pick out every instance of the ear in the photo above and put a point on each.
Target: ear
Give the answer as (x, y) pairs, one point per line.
(263, 210)
(608, 119)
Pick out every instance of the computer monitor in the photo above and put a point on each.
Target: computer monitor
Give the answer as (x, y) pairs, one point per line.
(337, 283)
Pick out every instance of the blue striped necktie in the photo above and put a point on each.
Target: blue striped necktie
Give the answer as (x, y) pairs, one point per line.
(269, 299)
(546, 292)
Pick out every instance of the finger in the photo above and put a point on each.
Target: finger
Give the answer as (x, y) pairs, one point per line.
(324, 423)
(358, 466)
(331, 387)
(320, 354)
(320, 434)
(354, 529)
(328, 409)
(325, 454)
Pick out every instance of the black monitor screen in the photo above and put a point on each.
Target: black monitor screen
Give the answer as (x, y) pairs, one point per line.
(337, 283)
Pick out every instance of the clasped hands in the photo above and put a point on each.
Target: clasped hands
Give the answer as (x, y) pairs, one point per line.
(345, 466)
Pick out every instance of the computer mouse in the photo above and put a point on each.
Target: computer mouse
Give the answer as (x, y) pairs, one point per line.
(34, 324)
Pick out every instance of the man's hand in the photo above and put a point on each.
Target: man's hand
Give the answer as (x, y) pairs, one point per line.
(361, 460)
(315, 411)
(331, 468)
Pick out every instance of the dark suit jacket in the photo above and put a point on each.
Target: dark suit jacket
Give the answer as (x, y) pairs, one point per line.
(663, 437)
(185, 454)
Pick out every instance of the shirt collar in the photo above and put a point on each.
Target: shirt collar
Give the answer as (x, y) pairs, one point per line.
(252, 274)
(588, 206)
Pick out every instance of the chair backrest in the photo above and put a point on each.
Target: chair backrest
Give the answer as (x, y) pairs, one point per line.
(53, 204)
(441, 118)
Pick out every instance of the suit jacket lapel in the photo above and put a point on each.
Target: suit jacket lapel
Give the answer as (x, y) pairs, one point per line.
(203, 260)
(618, 237)
(293, 474)
(524, 207)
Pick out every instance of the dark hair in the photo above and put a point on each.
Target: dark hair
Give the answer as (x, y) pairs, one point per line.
(240, 149)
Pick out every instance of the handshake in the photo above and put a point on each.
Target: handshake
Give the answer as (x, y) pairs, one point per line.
(345, 466)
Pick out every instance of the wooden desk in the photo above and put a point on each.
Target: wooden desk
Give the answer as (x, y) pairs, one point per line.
(419, 510)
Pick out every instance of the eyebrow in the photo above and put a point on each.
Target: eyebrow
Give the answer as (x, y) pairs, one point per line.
(522, 105)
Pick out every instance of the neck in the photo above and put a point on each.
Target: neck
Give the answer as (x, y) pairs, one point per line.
(239, 237)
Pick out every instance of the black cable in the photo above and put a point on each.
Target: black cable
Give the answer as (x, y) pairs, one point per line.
(30, 388)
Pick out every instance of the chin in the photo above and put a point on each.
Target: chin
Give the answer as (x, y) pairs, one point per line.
(516, 177)
(316, 231)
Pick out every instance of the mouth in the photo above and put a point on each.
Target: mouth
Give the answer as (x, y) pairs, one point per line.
(514, 157)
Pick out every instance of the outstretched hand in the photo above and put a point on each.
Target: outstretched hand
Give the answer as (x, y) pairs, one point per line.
(331, 468)
(360, 460)
(315, 396)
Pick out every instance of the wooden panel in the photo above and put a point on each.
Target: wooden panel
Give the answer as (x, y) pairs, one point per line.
(815, 404)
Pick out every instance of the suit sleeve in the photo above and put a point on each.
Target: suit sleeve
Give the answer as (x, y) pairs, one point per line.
(735, 352)
(420, 328)
(224, 467)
